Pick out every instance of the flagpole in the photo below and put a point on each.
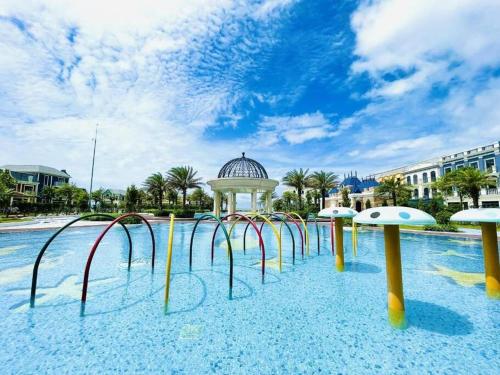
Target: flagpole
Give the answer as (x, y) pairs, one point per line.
(92, 173)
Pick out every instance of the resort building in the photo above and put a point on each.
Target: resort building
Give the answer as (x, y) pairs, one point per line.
(32, 179)
(114, 196)
(420, 176)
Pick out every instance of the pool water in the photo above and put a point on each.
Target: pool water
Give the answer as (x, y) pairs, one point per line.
(308, 319)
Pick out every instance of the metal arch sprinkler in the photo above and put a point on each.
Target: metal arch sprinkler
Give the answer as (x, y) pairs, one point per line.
(282, 221)
(169, 261)
(317, 230)
(96, 244)
(230, 249)
(290, 217)
(339, 213)
(305, 230)
(53, 237)
(250, 222)
(276, 234)
(488, 218)
(391, 218)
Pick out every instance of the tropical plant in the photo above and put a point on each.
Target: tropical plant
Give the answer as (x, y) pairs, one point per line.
(66, 192)
(346, 202)
(200, 197)
(98, 198)
(290, 200)
(470, 180)
(7, 186)
(324, 181)
(132, 198)
(393, 187)
(298, 179)
(49, 193)
(156, 185)
(184, 178)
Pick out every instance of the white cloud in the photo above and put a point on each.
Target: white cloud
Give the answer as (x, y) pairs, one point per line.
(294, 129)
(426, 39)
(143, 70)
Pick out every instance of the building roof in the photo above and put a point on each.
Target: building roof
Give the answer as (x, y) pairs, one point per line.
(355, 184)
(36, 169)
(243, 167)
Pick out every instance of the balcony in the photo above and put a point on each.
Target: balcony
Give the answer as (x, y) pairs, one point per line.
(491, 191)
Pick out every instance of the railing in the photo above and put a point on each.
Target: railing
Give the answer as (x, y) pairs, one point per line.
(491, 191)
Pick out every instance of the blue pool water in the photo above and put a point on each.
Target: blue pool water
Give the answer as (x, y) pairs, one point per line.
(309, 319)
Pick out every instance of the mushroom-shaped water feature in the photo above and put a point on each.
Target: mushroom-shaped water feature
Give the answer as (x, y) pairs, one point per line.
(391, 218)
(339, 213)
(488, 218)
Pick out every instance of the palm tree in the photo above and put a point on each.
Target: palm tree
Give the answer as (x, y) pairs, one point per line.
(156, 185)
(198, 196)
(184, 178)
(98, 197)
(394, 187)
(298, 179)
(471, 180)
(324, 181)
(446, 183)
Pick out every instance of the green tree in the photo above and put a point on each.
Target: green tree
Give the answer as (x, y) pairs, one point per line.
(66, 192)
(471, 180)
(368, 204)
(199, 196)
(81, 199)
(393, 187)
(324, 181)
(156, 185)
(98, 198)
(184, 178)
(346, 202)
(132, 198)
(7, 186)
(49, 193)
(298, 179)
(290, 200)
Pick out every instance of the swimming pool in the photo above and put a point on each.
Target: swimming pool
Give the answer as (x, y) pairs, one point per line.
(308, 319)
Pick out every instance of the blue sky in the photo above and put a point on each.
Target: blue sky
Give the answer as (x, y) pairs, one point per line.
(333, 85)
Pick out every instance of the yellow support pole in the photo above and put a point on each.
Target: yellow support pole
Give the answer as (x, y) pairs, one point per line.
(395, 299)
(169, 260)
(491, 262)
(339, 244)
(354, 239)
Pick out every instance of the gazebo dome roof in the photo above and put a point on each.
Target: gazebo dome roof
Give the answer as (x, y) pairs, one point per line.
(243, 167)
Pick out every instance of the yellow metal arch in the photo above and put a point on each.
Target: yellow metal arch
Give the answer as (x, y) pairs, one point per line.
(305, 230)
(275, 230)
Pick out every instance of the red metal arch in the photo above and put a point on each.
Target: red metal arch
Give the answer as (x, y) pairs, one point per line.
(98, 241)
(261, 241)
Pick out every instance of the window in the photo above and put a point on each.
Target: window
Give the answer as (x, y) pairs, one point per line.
(474, 164)
(415, 179)
(408, 180)
(491, 204)
(433, 176)
(426, 193)
(489, 165)
(424, 177)
(45, 180)
(415, 194)
(447, 169)
(459, 166)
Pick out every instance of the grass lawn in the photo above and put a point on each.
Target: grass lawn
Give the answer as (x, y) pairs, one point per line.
(13, 219)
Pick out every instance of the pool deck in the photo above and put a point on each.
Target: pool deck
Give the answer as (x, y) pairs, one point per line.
(58, 222)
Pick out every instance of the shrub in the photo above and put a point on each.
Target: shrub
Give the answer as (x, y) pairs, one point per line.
(162, 212)
(184, 212)
(443, 217)
(441, 228)
(127, 220)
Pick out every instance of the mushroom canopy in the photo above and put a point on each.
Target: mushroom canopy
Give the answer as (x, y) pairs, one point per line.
(480, 215)
(394, 216)
(337, 212)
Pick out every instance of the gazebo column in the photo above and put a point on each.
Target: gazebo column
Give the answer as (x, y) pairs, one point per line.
(254, 200)
(217, 198)
(269, 201)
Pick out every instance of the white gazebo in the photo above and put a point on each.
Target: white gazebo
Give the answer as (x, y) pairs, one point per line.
(242, 175)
